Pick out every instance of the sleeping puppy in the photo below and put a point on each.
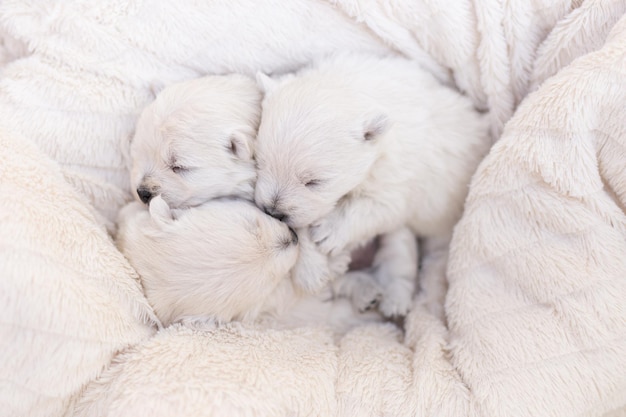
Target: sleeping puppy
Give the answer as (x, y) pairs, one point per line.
(358, 146)
(195, 141)
(223, 261)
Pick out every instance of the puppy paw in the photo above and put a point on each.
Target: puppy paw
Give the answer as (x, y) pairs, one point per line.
(312, 270)
(339, 263)
(365, 292)
(311, 273)
(367, 297)
(395, 303)
(329, 234)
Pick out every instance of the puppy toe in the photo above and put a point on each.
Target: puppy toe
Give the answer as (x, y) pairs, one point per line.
(371, 305)
(318, 232)
(395, 304)
(367, 294)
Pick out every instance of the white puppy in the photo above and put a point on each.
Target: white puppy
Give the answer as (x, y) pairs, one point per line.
(358, 146)
(221, 261)
(195, 141)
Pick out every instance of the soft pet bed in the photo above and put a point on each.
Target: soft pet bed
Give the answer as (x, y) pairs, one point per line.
(535, 318)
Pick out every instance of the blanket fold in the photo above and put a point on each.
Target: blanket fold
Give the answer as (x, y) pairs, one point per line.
(70, 301)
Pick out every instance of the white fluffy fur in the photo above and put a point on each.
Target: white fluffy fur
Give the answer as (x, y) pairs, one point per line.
(224, 260)
(195, 141)
(361, 146)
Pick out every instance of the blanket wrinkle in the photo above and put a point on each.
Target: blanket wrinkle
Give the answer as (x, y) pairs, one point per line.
(221, 391)
(533, 321)
(577, 177)
(592, 20)
(73, 277)
(489, 46)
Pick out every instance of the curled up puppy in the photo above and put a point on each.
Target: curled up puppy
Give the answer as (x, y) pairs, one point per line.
(358, 146)
(223, 261)
(195, 142)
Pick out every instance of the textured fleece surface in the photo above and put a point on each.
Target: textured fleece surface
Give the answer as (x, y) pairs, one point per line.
(536, 320)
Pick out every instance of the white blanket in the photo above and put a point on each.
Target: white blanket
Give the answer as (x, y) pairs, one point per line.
(536, 323)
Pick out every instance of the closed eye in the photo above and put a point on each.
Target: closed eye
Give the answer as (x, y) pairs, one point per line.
(175, 165)
(232, 147)
(312, 183)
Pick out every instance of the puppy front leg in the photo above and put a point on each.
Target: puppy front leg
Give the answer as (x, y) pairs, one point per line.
(395, 268)
(356, 220)
(314, 270)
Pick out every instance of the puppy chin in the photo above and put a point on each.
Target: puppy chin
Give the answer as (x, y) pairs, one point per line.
(176, 202)
(182, 198)
(192, 195)
(130, 210)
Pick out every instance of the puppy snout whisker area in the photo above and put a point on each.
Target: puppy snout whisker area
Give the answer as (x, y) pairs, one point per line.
(277, 214)
(145, 195)
(294, 236)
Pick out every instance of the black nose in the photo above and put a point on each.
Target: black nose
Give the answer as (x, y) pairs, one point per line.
(294, 236)
(278, 215)
(144, 195)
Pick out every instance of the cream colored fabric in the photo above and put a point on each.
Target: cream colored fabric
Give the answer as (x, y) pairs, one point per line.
(536, 323)
(69, 301)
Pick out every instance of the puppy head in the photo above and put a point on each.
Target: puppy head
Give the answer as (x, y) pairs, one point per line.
(196, 142)
(316, 143)
(221, 259)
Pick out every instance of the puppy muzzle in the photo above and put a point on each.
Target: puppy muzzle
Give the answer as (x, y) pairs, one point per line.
(275, 213)
(294, 236)
(145, 195)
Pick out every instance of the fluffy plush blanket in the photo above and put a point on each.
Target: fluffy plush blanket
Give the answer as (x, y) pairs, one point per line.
(535, 317)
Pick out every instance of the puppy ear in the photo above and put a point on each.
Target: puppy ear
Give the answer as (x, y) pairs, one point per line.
(375, 126)
(241, 145)
(265, 83)
(160, 211)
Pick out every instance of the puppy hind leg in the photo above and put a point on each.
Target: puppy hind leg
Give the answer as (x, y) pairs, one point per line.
(433, 275)
(395, 269)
